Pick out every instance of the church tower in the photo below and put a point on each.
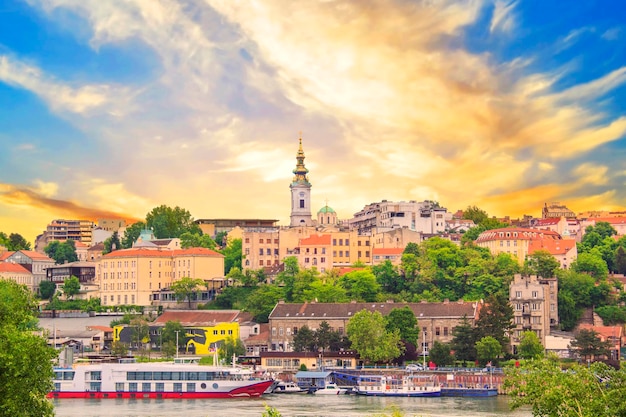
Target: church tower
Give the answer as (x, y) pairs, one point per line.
(300, 193)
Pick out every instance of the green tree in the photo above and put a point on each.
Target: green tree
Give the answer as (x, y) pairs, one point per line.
(14, 242)
(542, 263)
(167, 222)
(597, 390)
(475, 214)
(287, 277)
(168, 349)
(488, 349)
(262, 301)
(620, 260)
(495, 319)
(588, 345)
(71, 287)
(441, 354)
(464, 341)
(304, 340)
(360, 285)
(325, 293)
(112, 243)
(140, 331)
(25, 359)
(169, 333)
(404, 321)
(61, 252)
(366, 331)
(132, 233)
(185, 288)
(196, 240)
(325, 337)
(232, 254)
(231, 347)
(530, 346)
(47, 289)
(119, 348)
(592, 264)
(388, 277)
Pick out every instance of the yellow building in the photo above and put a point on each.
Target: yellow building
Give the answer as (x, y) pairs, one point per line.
(129, 276)
(513, 240)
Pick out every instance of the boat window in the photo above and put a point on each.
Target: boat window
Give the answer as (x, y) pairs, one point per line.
(68, 376)
(146, 387)
(160, 387)
(119, 387)
(176, 376)
(191, 387)
(132, 386)
(178, 387)
(95, 386)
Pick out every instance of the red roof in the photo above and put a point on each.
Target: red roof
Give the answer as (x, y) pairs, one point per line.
(316, 240)
(5, 255)
(36, 255)
(160, 253)
(604, 331)
(199, 317)
(11, 267)
(555, 247)
(522, 234)
(610, 220)
(548, 222)
(347, 270)
(195, 252)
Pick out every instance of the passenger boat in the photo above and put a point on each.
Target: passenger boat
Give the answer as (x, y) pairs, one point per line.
(460, 391)
(156, 380)
(398, 386)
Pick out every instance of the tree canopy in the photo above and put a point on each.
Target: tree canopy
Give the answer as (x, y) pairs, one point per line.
(25, 358)
(167, 222)
(61, 252)
(14, 242)
(185, 288)
(367, 333)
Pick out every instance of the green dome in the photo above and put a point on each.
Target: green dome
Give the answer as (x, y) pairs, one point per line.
(326, 209)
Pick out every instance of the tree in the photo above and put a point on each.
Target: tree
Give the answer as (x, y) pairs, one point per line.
(404, 321)
(542, 263)
(231, 347)
(167, 222)
(464, 341)
(488, 349)
(304, 340)
(388, 277)
(71, 287)
(61, 252)
(262, 301)
(495, 319)
(140, 331)
(195, 240)
(597, 390)
(530, 346)
(169, 332)
(232, 254)
(325, 337)
(588, 345)
(592, 264)
(119, 348)
(132, 233)
(185, 288)
(620, 260)
(287, 277)
(112, 243)
(14, 242)
(475, 214)
(47, 289)
(360, 285)
(25, 358)
(440, 354)
(366, 331)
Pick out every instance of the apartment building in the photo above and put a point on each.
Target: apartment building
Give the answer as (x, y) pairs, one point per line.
(424, 217)
(535, 306)
(564, 250)
(129, 276)
(513, 240)
(17, 273)
(62, 230)
(34, 262)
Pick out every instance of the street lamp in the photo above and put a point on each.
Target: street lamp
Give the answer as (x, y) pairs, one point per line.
(176, 342)
(424, 351)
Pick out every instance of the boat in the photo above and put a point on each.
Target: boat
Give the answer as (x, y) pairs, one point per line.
(330, 389)
(461, 391)
(160, 380)
(398, 386)
(469, 386)
(287, 387)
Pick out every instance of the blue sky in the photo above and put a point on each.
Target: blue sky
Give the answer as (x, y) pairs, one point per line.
(111, 108)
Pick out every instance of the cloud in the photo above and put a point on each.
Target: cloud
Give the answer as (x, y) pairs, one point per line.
(503, 19)
(612, 34)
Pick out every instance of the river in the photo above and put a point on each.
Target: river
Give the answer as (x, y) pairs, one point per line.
(291, 405)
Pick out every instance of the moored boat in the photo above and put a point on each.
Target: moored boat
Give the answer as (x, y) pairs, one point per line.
(469, 392)
(330, 389)
(156, 380)
(398, 386)
(287, 387)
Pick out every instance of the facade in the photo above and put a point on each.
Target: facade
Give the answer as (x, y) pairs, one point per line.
(556, 210)
(424, 217)
(292, 361)
(535, 306)
(396, 238)
(315, 252)
(300, 193)
(566, 227)
(326, 216)
(84, 271)
(17, 273)
(436, 320)
(513, 240)
(618, 223)
(130, 276)
(563, 250)
(34, 262)
(111, 225)
(212, 227)
(393, 255)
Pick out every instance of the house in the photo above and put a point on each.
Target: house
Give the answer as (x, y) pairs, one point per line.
(564, 251)
(394, 255)
(513, 240)
(34, 262)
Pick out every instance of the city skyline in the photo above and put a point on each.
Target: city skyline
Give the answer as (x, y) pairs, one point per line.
(113, 108)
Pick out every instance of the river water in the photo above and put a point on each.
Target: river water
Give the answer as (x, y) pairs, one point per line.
(291, 405)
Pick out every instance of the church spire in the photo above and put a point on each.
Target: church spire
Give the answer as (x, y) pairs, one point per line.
(300, 171)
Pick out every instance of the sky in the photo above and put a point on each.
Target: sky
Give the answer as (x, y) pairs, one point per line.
(111, 108)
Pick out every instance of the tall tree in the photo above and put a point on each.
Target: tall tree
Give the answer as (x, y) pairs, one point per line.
(495, 319)
(404, 321)
(61, 252)
(132, 233)
(195, 240)
(304, 340)
(287, 278)
(262, 301)
(140, 331)
(464, 341)
(17, 242)
(47, 289)
(173, 331)
(25, 358)
(475, 214)
(232, 254)
(488, 350)
(185, 288)
(388, 277)
(366, 331)
(440, 354)
(360, 285)
(167, 222)
(112, 243)
(325, 336)
(231, 348)
(591, 263)
(620, 260)
(588, 345)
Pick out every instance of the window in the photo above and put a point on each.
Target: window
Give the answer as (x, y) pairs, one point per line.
(518, 294)
(146, 386)
(191, 387)
(268, 241)
(437, 331)
(334, 242)
(119, 386)
(261, 251)
(280, 331)
(340, 242)
(347, 253)
(159, 387)
(445, 331)
(247, 240)
(301, 203)
(535, 294)
(178, 387)
(367, 254)
(347, 242)
(132, 386)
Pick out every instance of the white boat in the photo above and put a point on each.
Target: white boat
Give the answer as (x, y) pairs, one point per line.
(398, 386)
(156, 380)
(330, 389)
(287, 388)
